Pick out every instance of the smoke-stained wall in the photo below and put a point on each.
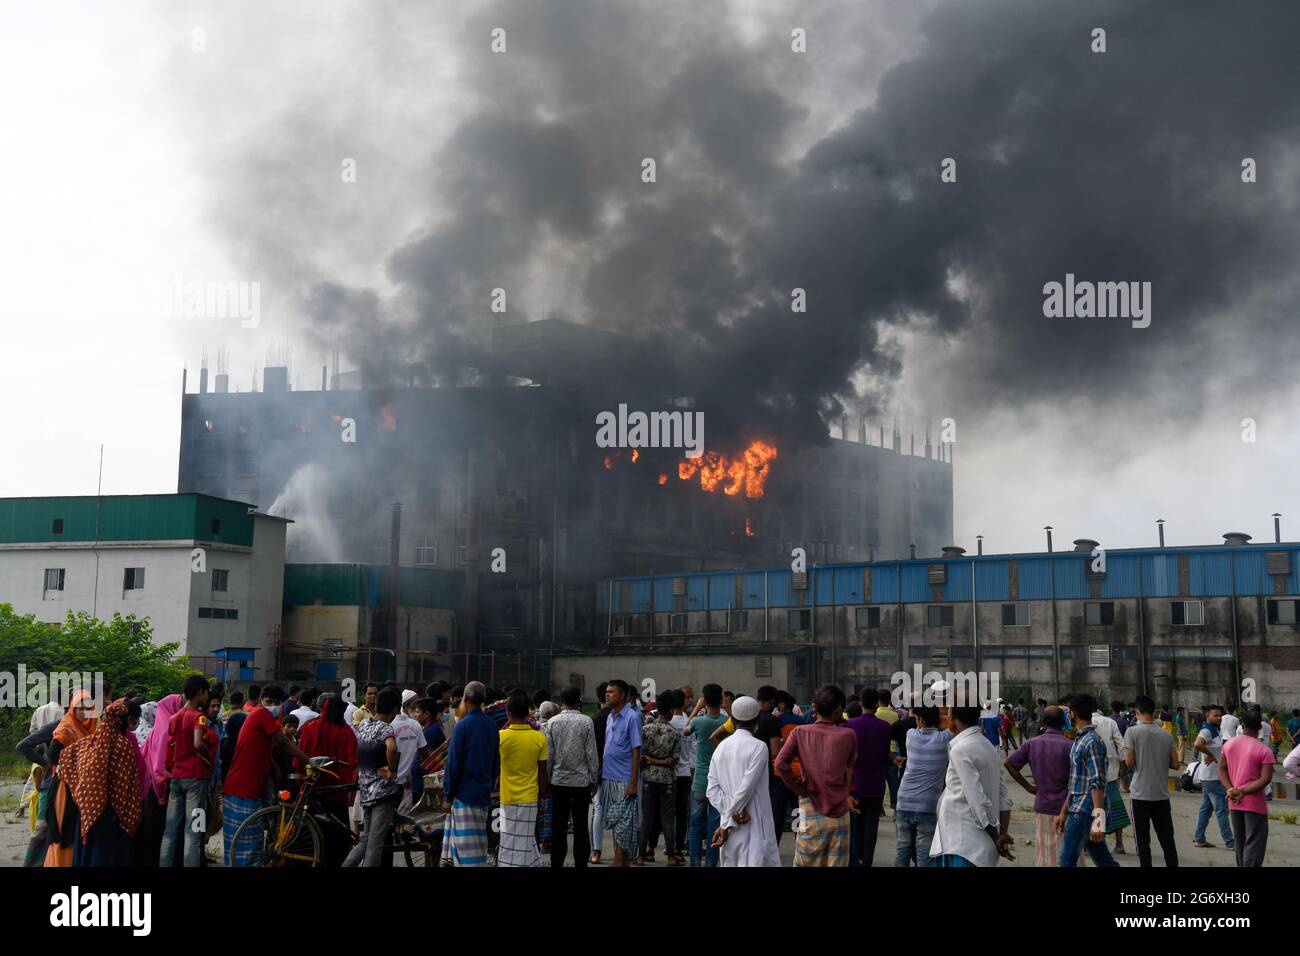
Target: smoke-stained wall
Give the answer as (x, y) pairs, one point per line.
(516, 468)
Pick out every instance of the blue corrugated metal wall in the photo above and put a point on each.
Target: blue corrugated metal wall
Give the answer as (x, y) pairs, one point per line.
(697, 592)
(1071, 581)
(1035, 579)
(991, 580)
(1160, 575)
(915, 585)
(780, 593)
(1121, 576)
(663, 594)
(848, 585)
(884, 584)
(638, 596)
(1210, 574)
(823, 584)
(722, 591)
(956, 585)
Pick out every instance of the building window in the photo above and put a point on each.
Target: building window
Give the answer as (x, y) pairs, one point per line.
(426, 552)
(53, 580)
(676, 623)
(133, 579)
(800, 619)
(442, 645)
(1099, 613)
(1015, 615)
(219, 613)
(58, 526)
(938, 615)
(518, 552)
(1186, 613)
(740, 620)
(220, 579)
(868, 617)
(136, 628)
(1282, 612)
(620, 625)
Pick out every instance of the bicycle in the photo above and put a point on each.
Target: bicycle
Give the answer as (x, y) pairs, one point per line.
(291, 832)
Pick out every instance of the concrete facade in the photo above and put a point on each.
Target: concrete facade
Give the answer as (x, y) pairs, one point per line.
(183, 605)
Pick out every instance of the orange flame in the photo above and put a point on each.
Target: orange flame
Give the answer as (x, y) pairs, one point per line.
(663, 479)
(748, 471)
(749, 528)
(609, 462)
(636, 453)
(389, 423)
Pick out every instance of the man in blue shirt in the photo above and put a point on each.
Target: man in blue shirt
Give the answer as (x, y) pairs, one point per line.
(619, 769)
(473, 759)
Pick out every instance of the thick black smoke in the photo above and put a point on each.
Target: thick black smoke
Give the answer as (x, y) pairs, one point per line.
(1115, 166)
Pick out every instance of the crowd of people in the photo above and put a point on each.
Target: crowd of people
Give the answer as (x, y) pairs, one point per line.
(720, 778)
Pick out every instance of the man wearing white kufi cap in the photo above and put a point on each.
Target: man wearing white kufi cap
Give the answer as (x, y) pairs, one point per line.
(738, 791)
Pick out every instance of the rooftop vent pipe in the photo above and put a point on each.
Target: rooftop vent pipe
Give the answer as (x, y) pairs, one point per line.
(1235, 539)
(952, 551)
(1084, 544)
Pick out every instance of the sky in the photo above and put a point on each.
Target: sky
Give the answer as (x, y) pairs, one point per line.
(155, 144)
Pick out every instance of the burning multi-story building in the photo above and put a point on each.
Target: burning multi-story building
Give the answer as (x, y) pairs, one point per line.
(504, 475)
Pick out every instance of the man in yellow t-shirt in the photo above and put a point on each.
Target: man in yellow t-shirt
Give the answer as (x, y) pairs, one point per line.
(524, 784)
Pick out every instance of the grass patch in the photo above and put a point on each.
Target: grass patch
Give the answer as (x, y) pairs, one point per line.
(13, 767)
(1290, 817)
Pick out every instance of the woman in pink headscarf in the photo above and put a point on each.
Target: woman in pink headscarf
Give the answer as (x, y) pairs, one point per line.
(147, 843)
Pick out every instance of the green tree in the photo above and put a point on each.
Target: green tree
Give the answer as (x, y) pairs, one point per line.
(121, 649)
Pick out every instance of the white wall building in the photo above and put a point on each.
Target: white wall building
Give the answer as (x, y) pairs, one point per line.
(136, 554)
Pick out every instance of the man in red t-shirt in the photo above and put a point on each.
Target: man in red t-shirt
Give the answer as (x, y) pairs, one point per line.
(245, 790)
(189, 769)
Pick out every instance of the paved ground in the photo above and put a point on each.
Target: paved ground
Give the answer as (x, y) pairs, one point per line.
(1283, 844)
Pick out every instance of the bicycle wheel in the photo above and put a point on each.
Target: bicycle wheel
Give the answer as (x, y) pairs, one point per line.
(406, 842)
(282, 839)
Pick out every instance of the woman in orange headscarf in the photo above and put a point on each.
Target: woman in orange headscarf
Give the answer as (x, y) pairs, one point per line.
(62, 817)
(102, 773)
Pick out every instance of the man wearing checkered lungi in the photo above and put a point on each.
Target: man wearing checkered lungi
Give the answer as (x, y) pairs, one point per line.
(618, 778)
(524, 784)
(826, 753)
(473, 759)
(1048, 757)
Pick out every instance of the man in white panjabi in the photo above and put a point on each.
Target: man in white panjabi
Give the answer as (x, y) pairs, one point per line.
(738, 790)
